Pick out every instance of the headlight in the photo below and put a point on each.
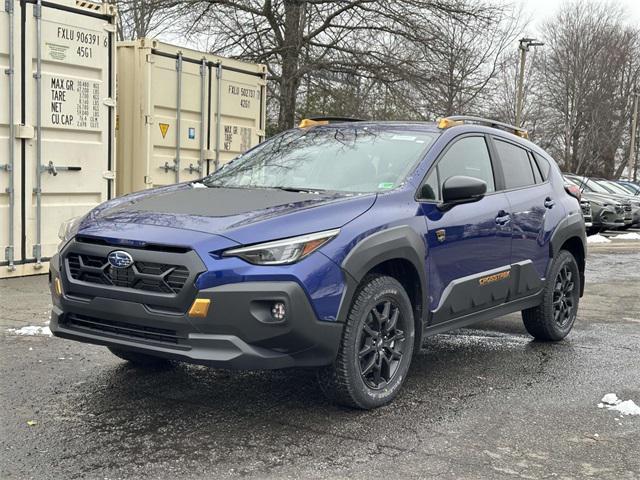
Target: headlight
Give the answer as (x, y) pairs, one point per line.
(283, 252)
(68, 229)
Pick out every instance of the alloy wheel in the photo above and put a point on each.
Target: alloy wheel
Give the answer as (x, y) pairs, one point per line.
(564, 296)
(381, 344)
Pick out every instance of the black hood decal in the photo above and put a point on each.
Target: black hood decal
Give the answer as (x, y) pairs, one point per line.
(222, 202)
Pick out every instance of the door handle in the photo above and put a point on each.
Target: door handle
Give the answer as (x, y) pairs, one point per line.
(548, 203)
(503, 218)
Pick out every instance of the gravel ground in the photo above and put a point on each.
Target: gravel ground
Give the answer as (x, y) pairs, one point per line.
(484, 402)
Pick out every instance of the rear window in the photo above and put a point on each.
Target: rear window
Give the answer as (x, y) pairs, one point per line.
(515, 165)
(536, 171)
(543, 165)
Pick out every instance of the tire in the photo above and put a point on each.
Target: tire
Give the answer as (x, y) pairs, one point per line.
(553, 319)
(376, 347)
(141, 360)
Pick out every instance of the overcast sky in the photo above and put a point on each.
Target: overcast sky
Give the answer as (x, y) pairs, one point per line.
(539, 10)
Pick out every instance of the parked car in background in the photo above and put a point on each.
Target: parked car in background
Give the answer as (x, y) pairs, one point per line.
(633, 188)
(606, 212)
(587, 213)
(630, 202)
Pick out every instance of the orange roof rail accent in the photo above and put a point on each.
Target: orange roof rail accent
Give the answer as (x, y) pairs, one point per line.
(448, 122)
(307, 122)
(325, 120)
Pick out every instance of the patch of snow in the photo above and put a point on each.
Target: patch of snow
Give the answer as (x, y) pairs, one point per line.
(627, 236)
(31, 330)
(628, 407)
(612, 402)
(598, 239)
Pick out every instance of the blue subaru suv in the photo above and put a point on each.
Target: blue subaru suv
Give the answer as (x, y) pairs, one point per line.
(339, 246)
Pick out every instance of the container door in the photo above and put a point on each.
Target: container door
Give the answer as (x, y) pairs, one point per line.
(68, 85)
(238, 113)
(10, 225)
(179, 93)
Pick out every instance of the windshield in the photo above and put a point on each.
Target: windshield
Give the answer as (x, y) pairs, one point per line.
(576, 181)
(346, 159)
(631, 188)
(614, 187)
(596, 187)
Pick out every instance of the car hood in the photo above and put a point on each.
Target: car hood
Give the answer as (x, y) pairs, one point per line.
(243, 215)
(600, 197)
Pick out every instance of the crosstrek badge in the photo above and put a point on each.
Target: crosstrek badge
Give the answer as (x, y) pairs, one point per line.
(164, 128)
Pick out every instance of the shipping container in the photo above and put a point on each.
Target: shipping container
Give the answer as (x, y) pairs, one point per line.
(182, 113)
(57, 119)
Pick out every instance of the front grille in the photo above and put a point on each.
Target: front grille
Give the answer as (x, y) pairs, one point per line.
(586, 208)
(83, 322)
(627, 207)
(619, 209)
(147, 276)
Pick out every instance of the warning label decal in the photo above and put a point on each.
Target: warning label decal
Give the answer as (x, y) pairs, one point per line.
(164, 128)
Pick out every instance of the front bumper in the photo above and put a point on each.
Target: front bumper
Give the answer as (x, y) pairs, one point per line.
(607, 217)
(239, 331)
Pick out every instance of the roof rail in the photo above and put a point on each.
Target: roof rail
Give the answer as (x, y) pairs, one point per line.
(322, 120)
(447, 122)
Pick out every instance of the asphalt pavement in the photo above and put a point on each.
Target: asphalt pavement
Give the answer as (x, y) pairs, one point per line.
(483, 402)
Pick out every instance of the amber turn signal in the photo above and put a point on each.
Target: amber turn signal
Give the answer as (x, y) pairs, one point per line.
(200, 308)
(57, 286)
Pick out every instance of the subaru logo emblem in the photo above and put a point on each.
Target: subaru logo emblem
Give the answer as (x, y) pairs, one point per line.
(120, 259)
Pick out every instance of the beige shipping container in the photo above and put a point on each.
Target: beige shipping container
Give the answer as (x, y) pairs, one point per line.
(57, 118)
(182, 113)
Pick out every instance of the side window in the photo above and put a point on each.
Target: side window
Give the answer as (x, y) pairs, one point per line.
(515, 165)
(469, 157)
(536, 171)
(543, 165)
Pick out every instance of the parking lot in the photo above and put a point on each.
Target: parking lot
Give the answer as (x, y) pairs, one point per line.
(483, 402)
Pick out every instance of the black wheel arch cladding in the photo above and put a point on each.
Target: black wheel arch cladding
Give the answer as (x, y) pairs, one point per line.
(396, 243)
(571, 234)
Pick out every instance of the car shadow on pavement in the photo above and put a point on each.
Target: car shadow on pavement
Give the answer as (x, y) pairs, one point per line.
(452, 366)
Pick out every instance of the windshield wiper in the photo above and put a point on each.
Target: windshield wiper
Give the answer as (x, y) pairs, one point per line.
(297, 189)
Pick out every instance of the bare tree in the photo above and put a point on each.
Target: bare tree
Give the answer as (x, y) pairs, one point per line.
(370, 39)
(463, 58)
(590, 65)
(143, 18)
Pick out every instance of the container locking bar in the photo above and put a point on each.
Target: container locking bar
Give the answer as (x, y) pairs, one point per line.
(37, 248)
(51, 169)
(216, 162)
(10, 72)
(194, 168)
(176, 167)
(166, 167)
(203, 80)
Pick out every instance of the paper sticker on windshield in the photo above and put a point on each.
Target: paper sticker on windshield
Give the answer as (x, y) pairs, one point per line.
(407, 138)
(385, 185)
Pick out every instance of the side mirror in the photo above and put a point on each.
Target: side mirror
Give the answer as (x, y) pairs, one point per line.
(461, 189)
